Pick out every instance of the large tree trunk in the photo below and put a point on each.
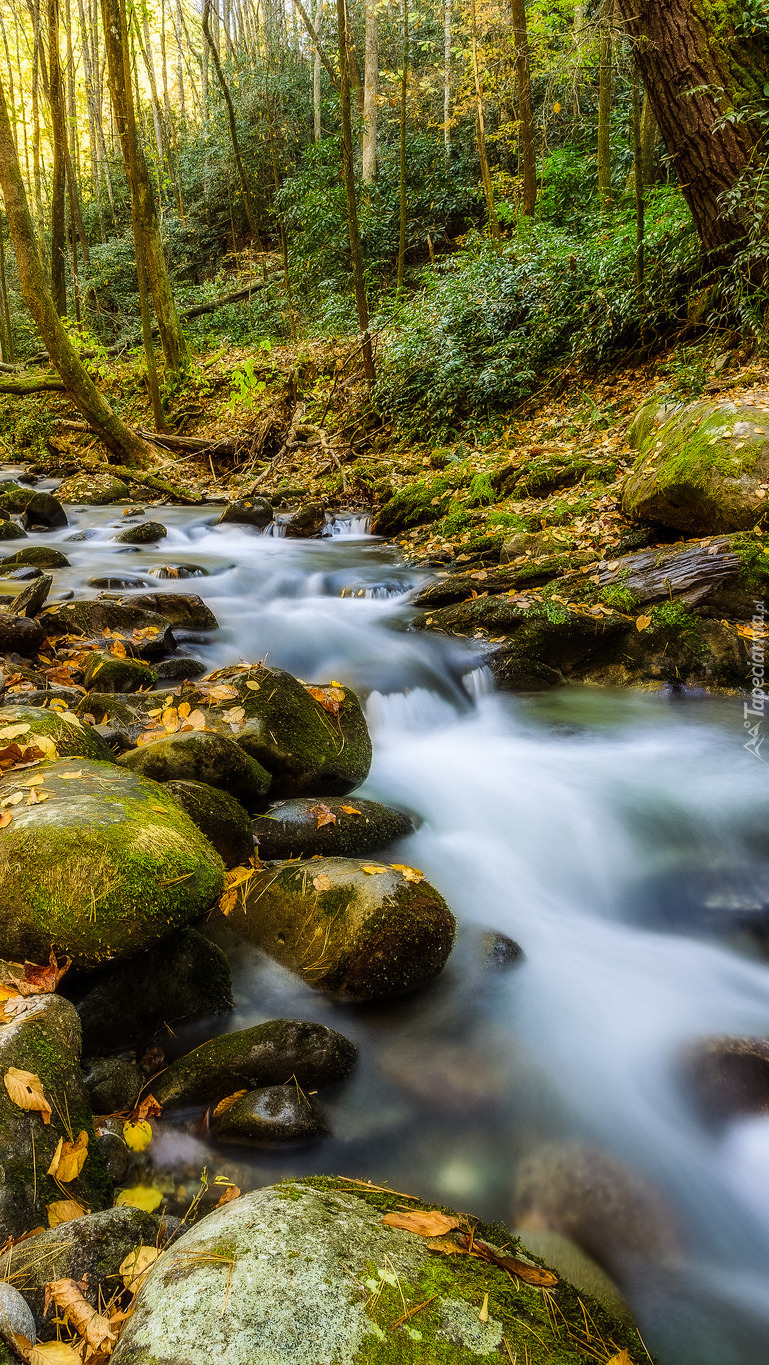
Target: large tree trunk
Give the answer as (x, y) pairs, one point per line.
(696, 70)
(526, 118)
(119, 438)
(370, 78)
(58, 175)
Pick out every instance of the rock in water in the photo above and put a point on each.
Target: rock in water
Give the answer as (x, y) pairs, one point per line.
(148, 634)
(58, 734)
(106, 865)
(96, 490)
(20, 635)
(110, 673)
(248, 512)
(199, 756)
(146, 533)
(334, 827)
(360, 931)
(220, 817)
(276, 1114)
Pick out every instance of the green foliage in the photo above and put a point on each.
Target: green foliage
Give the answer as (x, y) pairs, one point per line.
(480, 493)
(32, 430)
(246, 386)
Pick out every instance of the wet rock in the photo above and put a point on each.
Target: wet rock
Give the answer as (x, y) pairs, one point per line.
(123, 710)
(420, 501)
(113, 1084)
(95, 490)
(248, 512)
(147, 634)
(116, 740)
(498, 951)
(533, 544)
(39, 556)
(41, 510)
(115, 1155)
(184, 977)
(185, 610)
(113, 584)
(200, 756)
(356, 934)
(574, 1265)
(725, 1078)
(110, 673)
(79, 536)
(32, 599)
(307, 748)
(20, 635)
(179, 571)
(11, 530)
(335, 827)
(269, 1054)
(16, 1317)
(62, 728)
(148, 533)
(86, 1250)
(225, 823)
(46, 1042)
(108, 865)
(307, 523)
(702, 469)
(456, 587)
(276, 1114)
(179, 666)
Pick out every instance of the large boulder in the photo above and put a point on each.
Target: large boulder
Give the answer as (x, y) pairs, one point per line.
(225, 823)
(44, 1042)
(38, 556)
(703, 468)
(115, 673)
(266, 1055)
(95, 490)
(148, 634)
(298, 1275)
(182, 609)
(255, 512)
(64, 734)
(336, 827)
(360, 931)
(103, 864)
(202, 756)
(38, 509)
(146, 533)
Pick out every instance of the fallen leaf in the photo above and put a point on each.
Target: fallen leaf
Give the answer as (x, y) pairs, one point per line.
(86, 1320)
(622, 1359)
(322, 882)
(141, 1197)
(428, 1224)
(372, 868)
(351, 810)
(196, 721)
(26, 1090)
(67, 777)
(69, 1159)
(330, 698)
(137, 1135)
(323, 814)
(5, 819)
(38, 980)
(118, 649)
(409, 874)
(36, 798)
(223, 692)
(228, 1102)
(232, 1192)
(483, 1316)
(13, 731)
(64, 1211)
(184, 710)
(135, 1267)
(253, 686)
(53, 1353)
(642, 622)
(148, 1108)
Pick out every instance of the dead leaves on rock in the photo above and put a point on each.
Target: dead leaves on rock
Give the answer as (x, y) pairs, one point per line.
(322, 814)
(236, 883)
(64, 1211)
(331, 698)
(94, 1328)
(425, 1224)
(448, 1236)
(26, 1091)
(69, 1159)
(20, 981)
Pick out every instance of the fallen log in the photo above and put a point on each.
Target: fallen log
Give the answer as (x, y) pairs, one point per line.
(187, 445)
(22, 388)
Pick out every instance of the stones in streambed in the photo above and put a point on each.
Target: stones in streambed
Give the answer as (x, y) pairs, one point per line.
(725, 1078)
(315, 1275)
(456, 587)
(178, 571)
(11, 530)
(702, 468)
(112, 1084)
(255, 512)
(202, 756)
(40, 510)
(105, 864)
(313, 740)
(306, 523)
(356, 930)
(178, 667)
(225, 823)
(94, 490)
(335, 827)
(37, 556)
(270, 1054)
(111, 673)
(147, 533)
(114, 584)
(32, 599)
(44, 1042)
(57, 734)
(16, 1318)
(185, 610)
(20, 635)
(498, 951)
(273, 1115)
(183, 977)
(148, 634)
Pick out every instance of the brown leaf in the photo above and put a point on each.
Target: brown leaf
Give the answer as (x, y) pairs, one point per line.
(323, 814)
(196, 720)
(409, 874)
(330, 698)
(232, 1192)
(350, 810)
(446, 1246)
(118, 649)
(64, 1211)
(427, 1224)
(36, 798)
(642, 622)
(228, 1102)
(148, 1108)
(42, 980)
(69, 1159)
(26, 1090)
(87, 1322)
(322, 882)
(5, 819)
(223, 692)
(53, 1353)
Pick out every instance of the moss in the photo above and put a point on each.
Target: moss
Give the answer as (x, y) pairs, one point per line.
(71, 737)
(480, 491)
(674, 621)
(754, 559)
(422, 500)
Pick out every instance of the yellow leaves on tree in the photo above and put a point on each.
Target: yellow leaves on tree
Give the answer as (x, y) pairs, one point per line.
(69, 1159)
(25, 1090)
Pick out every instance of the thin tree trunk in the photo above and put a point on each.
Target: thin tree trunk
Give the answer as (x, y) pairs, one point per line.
(316, 128)
(525, 116)
(447, 77)
(9, 352)
(248, 203)
(649, 138)
(488, 190)
(349, 185)
(402, 151)
(638, 191)
(370, 76)
(59, 173)
(604, 103)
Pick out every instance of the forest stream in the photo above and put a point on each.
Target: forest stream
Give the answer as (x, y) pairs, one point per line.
(619, 837)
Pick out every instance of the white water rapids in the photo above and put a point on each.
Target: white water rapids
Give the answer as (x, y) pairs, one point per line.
(586, 824)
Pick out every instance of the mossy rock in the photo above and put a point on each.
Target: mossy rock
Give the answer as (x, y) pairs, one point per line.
(271, 1116)
(95, 490)
(38, 556)
(127, 710)
(360, 931)
(307, 748)
(148, 634)
(11, 530)
(108, 865)
(202, 756)
(19, 634)
(64, 729)
(113, 1084)
(334, 828)
(255, 512)
(225, 823)
(46, 1042)
(703, 470)
(183, 609)
(421, 501)
(184, 977)
(110, 673)
(312, 1275)
(267, 1054)
(147, 533)
(38, 509)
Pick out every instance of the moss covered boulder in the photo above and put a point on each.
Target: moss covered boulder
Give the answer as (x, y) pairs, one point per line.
(358, 930)
(336, 827)
(146, 533)
(148, 634)
(38, 509)
(95, 490)
(255, 512)
(110, 673)
(703, 468)
(202, 756)
(11, 530)
(265, 1055)
(44, 1041)
(225, 823)
(37, 557)
(106, 864)
(313, 1276)
(312, 740)
(270, 1117)
(64, 733)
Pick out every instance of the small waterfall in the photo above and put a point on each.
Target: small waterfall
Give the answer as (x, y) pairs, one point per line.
(275, 528)
(353, 524)
(479, 682)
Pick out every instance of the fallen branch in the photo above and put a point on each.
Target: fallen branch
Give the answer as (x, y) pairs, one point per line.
(188, 445)
(21, 388)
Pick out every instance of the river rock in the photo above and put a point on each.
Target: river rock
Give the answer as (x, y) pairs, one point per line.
(11, 530)
(178, 667)
(32, 599)
(23, 725)
(16, 1317)
(225, 823)
(498, 951)
(148, 634)
(128, 711)
(725, 1077)
(270, 1054)
(332, 828)
(20, 635)
(248, 512)
(107, 866)
(44, 1041)
(703, 469)
(178, 571)
(111, 673)
(574, 1265)
(38, 509)
(113, 1084)
(183, 609)
(308, 748)
(147, 533)
(36, 556)
(276, 1114)
(307, 523)
(300, 1263)
(532, 544)
(201, 756)
(95, 490)
(356, 934)
(184, 977)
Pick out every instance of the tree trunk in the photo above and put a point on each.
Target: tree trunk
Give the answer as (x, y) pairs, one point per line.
(604, 103)
(370, 77)
(59, 173)
(526, 118)
(348, 174)
(649, 138)
(638, 187)
(488, 189)
(696, 70)
(402, 153)
(119, 438)
(316, 128)
(447, 77)
(248, 202)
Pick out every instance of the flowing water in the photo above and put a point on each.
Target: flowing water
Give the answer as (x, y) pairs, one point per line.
(601, 830)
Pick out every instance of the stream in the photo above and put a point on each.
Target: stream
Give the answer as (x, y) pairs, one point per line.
(614, 835)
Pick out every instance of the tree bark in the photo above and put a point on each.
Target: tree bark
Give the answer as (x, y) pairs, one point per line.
(248, 202)
(402, 153)
(447, 78)
(370, 79)
(59, 172)
(526, 118)
(348, 173)
(604, 102)
(316, 128)
(488, 189)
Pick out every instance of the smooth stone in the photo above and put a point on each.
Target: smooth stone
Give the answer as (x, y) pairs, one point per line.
(307, 523)
(201, 756)
(95, 490)
(113, 1084)
(113, 584)
(11, 530)
(115, 1155)
(32, 599)
(16, 1317)
(63, 728)
(266, 1055)
(499, 951)
(38, 509)
(148, 533)
(353, 934)
(248, 512)
(147, 633)
(111, 673)
(20, 635)
(183, 609)
(303, 828)
(275, 1114)
(178, 667)
(225, 823)
(39, 556)
(179, 571)
(726, 1078)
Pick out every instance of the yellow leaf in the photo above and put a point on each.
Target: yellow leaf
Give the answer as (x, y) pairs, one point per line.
(643, 622)
(141, 1197)
(409, 874)
(483, 1316)
(350, 810)
(86, 1320)
(184, 709)
(26, 1091)
(137, 1135)
(253, 686)
(428, 1224)
(14, 799)
(69, 776)
(5, 819)
(228, 1102)
(223, 692)
(135, 1266)
(13, 731)
(372, 868)
(196, 720)
(69, 1159)
(36, 798)
(622, 1359)
(53, 1353)
(64, 1211)
(323, 814)
(322, 882)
